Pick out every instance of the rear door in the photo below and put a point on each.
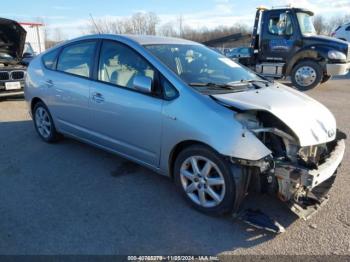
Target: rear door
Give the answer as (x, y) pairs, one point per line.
(124, 119)
(69, 87)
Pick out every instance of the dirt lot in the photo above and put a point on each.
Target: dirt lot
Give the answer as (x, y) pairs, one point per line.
(70, 198)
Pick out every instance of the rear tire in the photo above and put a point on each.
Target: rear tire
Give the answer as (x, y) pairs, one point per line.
(205, 180)
(44, 124)
(306, 75)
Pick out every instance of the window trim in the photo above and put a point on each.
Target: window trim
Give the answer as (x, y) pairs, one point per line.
(96, 41)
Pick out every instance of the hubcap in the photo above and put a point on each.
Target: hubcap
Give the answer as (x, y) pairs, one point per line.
(202, 181)
(305, 76)
(42, 122)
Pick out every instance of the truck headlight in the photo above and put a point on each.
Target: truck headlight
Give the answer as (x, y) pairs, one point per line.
(336, 55)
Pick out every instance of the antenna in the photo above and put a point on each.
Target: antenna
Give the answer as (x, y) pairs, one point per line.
(93, 21)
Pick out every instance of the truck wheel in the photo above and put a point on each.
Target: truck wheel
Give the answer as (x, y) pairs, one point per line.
(205, 179)
(325, 78)
(306, 75)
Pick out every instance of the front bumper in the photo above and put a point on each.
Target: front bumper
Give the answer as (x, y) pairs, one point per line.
(337, 69)
(8, 93)
(305, 190)
(315, 177)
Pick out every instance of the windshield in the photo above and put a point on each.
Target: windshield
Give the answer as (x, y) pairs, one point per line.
(306, 24)
(199, 64)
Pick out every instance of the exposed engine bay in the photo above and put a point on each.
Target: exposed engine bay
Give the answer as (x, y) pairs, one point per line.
(13, 63)
(301, 176)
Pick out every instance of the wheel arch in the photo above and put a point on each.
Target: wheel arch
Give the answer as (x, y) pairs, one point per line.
(179, 147)
(318, 56)
(34, 101)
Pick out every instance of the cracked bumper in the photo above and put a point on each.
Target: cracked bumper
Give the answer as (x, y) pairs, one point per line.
(328, 168)
(306, 190)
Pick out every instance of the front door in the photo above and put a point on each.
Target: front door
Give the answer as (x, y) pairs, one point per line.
(278, 36)
(124, 119)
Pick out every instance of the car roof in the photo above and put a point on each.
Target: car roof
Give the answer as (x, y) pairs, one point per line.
(140, 39)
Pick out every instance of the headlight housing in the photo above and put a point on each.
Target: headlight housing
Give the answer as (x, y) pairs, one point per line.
(336, 55)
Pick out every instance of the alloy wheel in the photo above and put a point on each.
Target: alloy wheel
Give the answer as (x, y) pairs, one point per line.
(43, 122)
(202, 181)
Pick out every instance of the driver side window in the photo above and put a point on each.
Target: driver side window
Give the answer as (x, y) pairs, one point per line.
(119, 65)
(280, 24)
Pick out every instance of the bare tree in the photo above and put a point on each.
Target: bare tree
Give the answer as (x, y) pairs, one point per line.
(152, 20)
(334, 22)
(180, 20)
(320, 24)
(58, 36)
(324, 26)
(138, 23)
(168, 29)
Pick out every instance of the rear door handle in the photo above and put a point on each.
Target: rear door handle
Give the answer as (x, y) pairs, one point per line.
(97, 97)
(49, 83)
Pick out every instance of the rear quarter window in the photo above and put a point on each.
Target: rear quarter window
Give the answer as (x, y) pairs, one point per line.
(50, 59)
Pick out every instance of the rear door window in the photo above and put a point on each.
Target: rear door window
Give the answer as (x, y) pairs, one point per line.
(77, 59)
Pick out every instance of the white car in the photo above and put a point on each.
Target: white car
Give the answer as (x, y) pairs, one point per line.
(342, 32)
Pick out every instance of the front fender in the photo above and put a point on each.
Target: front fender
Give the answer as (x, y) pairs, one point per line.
(201, 119)
(318, 53)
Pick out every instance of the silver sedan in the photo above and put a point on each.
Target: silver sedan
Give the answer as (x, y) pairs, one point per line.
(175, 106)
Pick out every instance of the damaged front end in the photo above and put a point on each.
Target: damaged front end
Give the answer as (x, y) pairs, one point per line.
(300, 176)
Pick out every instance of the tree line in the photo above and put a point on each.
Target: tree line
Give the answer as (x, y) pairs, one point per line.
(149, 23)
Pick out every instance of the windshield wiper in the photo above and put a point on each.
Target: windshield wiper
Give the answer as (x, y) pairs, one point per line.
(244, 81)
(214, 85)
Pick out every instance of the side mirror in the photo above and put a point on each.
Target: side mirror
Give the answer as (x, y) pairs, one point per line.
(27, 55)
(143, 84)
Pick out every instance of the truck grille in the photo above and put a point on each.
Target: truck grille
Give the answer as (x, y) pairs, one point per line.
(17, 75)
(4, 76)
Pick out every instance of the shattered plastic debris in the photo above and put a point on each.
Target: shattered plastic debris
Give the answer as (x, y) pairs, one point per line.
(260, 220)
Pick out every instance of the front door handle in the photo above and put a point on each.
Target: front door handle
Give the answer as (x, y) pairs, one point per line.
(98, 97)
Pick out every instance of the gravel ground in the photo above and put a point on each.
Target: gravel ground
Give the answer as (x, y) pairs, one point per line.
(70, 198)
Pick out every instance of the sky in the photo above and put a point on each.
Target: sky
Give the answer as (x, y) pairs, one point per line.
(71, 17)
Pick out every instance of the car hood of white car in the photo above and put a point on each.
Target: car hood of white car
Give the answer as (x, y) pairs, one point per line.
(311, 122)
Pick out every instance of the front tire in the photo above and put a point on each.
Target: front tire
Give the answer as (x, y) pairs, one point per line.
(44, 124)
(205, 179)
(306, 75)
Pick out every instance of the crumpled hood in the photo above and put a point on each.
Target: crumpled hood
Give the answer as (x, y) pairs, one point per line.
(311, 122)
(12, 38)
